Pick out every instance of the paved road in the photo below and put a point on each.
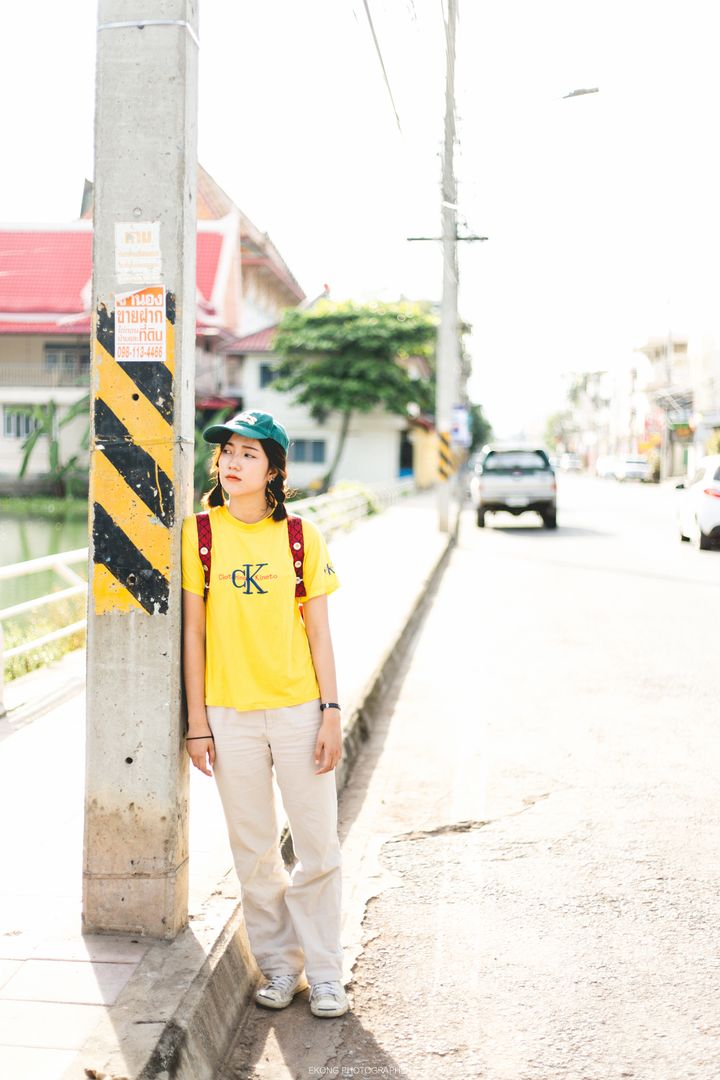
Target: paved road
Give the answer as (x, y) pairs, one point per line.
(531, 840)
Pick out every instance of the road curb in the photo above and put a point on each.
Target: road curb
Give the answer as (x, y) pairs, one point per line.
(178, 1014)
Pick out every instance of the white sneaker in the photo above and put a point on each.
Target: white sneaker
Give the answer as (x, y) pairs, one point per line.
(280, 990)
(328, 999)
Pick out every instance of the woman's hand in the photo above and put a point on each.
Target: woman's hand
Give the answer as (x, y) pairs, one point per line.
(328, 748)
(201, 748)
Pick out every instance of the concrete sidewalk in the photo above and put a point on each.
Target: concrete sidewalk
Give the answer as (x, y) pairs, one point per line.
(121, 1006)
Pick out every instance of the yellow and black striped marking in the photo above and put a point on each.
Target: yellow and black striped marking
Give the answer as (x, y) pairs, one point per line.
(132, 483)
(446, 459)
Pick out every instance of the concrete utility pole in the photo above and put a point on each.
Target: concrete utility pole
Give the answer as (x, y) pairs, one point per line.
(136, 849)
(448, 351)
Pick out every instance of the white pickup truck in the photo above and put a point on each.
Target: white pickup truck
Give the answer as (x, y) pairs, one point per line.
(514, 479)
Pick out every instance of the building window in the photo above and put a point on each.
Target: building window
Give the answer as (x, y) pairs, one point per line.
(303, 451)
(16, 423)
(68, 360)
(268, 374)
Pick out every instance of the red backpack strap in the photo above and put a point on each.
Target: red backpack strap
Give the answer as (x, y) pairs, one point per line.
(297, 550)
(204, 531)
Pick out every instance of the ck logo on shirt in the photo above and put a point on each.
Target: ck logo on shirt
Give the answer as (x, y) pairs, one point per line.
(244, 578)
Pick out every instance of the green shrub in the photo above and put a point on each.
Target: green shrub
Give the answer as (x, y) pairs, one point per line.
(44, 506)
(35, 624)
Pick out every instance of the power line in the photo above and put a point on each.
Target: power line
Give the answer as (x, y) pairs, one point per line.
(382, 62)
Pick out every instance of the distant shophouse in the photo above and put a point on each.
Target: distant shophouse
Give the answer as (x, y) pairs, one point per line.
(684, 398)
(671, 396)
(243, 288)
(610, 413)
(705, 375)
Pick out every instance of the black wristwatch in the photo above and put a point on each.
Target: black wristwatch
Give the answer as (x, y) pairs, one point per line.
(329, 705)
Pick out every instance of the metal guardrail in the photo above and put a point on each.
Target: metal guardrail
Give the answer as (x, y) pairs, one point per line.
(338, 509)
(61, 564)
(345, 505)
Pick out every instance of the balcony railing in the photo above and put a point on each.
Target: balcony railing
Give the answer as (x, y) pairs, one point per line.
(44, 374)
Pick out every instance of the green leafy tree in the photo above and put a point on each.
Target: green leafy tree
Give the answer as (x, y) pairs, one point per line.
(480, 428)
(46, 428)
(577, 389)
(559, 430)
(350, 358)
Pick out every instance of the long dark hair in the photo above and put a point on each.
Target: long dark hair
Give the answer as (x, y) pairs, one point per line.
(275, 490)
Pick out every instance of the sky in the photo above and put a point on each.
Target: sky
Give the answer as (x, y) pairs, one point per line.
(601, 211)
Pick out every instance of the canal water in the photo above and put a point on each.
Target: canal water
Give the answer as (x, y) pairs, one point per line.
(23, 538)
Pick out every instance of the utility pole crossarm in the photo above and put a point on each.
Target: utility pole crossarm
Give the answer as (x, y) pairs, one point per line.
(581, 92)
(440, 238)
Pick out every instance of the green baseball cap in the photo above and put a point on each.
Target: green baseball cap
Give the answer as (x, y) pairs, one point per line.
(253, 425)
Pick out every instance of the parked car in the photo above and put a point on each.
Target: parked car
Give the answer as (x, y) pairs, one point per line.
(699, 505)
(633, 468)
(605, 467)
(571, 463)
(515, 479)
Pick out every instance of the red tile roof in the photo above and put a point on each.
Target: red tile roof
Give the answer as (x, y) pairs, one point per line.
(47, 272)
(261, 341)
(80, 326)
(209, 247)
(214, 204)
(258, 249)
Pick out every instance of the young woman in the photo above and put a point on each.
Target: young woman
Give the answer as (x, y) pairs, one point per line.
(261, 693)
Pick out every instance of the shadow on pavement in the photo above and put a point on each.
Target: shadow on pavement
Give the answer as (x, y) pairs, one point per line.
(308, 1046)
(562, 530)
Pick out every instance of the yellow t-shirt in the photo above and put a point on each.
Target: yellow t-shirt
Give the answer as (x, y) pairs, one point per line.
(257, 654)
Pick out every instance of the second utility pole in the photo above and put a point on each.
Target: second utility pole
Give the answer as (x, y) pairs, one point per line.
(448, 353)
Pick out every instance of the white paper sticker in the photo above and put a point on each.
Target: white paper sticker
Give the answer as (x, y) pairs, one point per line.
(460, 430)
(140, 325)
(137, 251)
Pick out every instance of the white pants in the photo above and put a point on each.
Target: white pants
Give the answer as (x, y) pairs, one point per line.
(292, 920)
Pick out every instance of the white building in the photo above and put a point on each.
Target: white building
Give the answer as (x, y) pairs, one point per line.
(377, 444)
